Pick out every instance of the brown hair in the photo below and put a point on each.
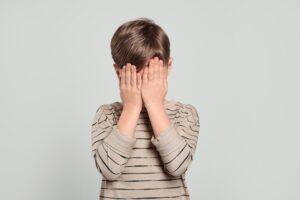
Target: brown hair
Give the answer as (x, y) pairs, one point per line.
(138, 40)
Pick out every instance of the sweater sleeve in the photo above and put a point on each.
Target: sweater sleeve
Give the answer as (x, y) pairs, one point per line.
(111, 149)
(177, 143)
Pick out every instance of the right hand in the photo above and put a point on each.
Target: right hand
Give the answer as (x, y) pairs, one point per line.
(130, 88)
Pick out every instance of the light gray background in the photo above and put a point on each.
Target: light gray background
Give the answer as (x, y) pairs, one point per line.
(237, 62)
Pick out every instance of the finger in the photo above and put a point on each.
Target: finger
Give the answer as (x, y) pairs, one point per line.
(161, 71)
(156, 68)
(123, 76)
(145, 75)
(138, 81)
(160, 68)
(165, 72)
(133, 76)
(127, 74)
(150, 70)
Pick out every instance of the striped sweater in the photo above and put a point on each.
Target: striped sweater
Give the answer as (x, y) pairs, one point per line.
(144, 167)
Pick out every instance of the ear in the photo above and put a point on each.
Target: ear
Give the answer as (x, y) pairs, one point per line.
(117, 69)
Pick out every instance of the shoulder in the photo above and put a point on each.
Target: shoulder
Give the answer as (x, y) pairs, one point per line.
(106, 111)
(185, 107)
(186, 112)
(108, 107)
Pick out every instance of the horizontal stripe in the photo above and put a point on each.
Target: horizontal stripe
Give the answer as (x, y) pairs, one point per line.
(143, 188)
(144, 173)
(170, 197)
(141, 165)
(143, 148)
(171, 179)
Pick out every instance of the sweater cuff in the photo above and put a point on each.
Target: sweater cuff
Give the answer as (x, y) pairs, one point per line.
(121, 142)
(167, 141)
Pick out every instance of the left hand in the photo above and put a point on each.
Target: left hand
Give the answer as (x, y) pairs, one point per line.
(154, 83)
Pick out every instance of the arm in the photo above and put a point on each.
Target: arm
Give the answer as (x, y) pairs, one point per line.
(177, 142)
(112, 142)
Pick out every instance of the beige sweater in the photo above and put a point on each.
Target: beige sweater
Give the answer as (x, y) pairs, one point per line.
(144, 167)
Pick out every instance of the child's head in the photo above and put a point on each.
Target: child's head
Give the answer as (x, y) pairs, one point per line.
(137, 41)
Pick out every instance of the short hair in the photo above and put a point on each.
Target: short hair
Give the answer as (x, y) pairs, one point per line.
(138, 40)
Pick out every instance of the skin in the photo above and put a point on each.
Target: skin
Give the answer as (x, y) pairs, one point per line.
(142, 90)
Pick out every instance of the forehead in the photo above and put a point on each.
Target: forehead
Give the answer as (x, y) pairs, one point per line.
(141, 69)
(145, 65)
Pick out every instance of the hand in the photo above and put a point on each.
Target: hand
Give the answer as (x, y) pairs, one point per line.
(154, 83)
(130, 88)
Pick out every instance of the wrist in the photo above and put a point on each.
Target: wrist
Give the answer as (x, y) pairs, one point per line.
(131, 109)
(154, 106)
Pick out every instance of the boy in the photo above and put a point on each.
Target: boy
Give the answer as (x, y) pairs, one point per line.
(143, 145)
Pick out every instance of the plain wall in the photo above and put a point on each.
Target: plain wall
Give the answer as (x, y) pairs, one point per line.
(238, 59)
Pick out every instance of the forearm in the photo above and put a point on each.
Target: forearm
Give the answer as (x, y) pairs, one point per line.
(111, 148)
(127, 121)
(159, 118)
(176, 141)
